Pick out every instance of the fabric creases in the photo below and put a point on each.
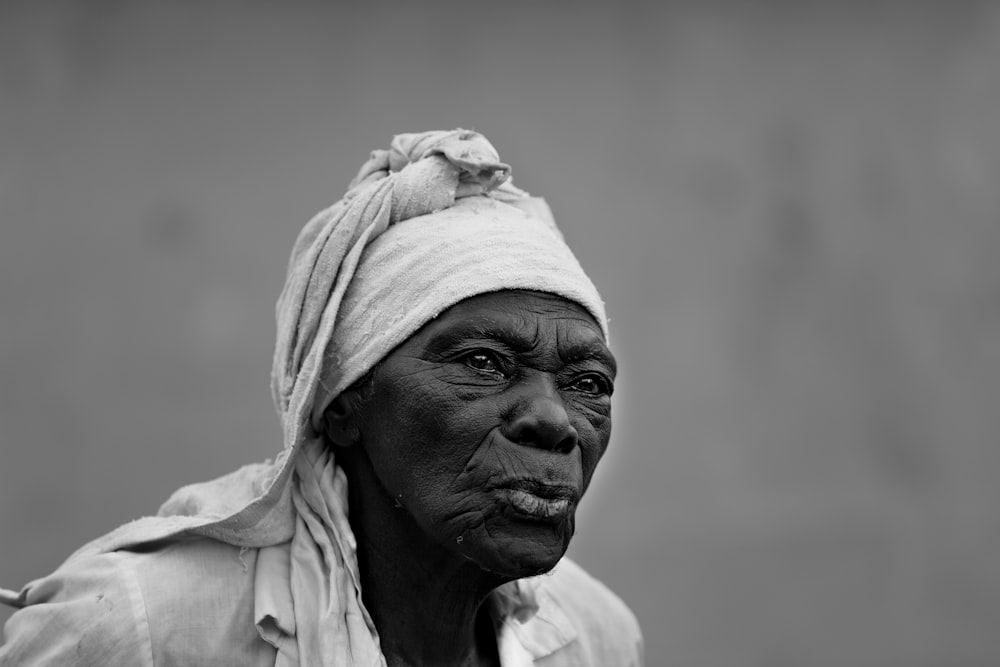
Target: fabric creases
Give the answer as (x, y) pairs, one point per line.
(324, 579)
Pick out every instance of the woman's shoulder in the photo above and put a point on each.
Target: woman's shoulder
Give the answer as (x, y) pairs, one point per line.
(600, 626)
(186, 601)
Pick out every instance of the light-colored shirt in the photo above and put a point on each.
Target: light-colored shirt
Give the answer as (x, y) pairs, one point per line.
(193, 602)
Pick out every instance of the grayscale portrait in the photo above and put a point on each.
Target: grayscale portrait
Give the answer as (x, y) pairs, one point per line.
(531, 333)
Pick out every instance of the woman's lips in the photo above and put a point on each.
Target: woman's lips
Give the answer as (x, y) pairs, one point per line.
(539, 501)
(534, 506)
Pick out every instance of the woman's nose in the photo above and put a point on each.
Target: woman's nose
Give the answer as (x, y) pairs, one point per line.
(540, 420)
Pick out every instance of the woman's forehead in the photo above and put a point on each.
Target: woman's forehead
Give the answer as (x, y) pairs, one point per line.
(513, 307)
(518, 318)
(513, 301)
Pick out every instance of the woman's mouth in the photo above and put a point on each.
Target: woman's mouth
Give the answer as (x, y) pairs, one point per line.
(540, 501)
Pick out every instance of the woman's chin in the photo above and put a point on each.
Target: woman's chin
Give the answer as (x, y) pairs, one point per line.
(518, 558)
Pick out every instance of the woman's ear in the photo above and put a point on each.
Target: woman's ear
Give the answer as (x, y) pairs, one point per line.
(340, 421)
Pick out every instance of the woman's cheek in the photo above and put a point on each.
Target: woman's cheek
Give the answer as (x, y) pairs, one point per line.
(592, 449)
(451, 511)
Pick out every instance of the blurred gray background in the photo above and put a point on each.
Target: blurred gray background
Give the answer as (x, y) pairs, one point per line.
(792, 210)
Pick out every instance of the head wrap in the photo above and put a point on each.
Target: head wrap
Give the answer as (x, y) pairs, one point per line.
(428, 223)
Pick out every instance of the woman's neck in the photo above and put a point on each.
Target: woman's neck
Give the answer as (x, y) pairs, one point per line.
(425, 601)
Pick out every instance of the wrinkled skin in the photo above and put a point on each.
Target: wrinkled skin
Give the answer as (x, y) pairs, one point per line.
(485, 427)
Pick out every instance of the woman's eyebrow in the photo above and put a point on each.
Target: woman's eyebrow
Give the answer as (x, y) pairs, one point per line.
(516, 339)
(519, 340)
(590, 351)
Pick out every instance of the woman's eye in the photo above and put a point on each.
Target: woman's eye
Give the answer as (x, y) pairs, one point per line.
(594, 385)
(482, 361)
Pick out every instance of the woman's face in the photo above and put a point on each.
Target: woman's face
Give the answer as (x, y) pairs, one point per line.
(487, 424)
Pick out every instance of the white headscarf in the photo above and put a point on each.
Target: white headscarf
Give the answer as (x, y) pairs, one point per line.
(426, 224)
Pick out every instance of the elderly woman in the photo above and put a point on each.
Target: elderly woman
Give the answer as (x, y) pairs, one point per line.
(444, 383)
